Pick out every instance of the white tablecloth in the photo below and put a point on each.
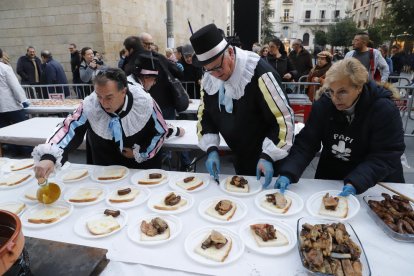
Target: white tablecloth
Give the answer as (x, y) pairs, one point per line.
(386, 256)
(192, 107)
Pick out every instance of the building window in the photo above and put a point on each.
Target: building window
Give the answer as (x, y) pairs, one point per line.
(272, 13)
(322, 15)
(305, 40)
(362, 3)
(337, 14)
(367, 1)
(286, 13)
(285, 32)
(354, 4)
(307, 16)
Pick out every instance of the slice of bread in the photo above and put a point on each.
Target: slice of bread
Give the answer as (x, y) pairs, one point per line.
(48, 215)
(341, 210)
(75, 175)
(271, 207)
(212, 253)
(112, 173)
(104, 225)
(115, 198)
(151, 181)
(31, 194)
(85, 195)
(14, 179)
(280, 240)
(211, 211)
(191, 185)
(159, 237)
(232, 188)
(14, 207)
(164, 207)
(23, 164)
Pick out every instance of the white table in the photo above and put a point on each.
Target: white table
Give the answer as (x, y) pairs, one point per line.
(192, 107)
(385, 256)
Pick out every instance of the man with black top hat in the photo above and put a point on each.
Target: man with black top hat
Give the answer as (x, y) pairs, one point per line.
(241, 99)
(123, 126)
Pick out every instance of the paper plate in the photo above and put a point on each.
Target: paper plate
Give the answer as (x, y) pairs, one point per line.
(98, 171)
(159, 197)
(26, 215)
(255, 186)
(205, 178)
(75, 180)
(5, 205)
(296, 207)
(143, 195)
(73, 190)
(240, 213)
(16, 162)
(144, 174)
(5, 187)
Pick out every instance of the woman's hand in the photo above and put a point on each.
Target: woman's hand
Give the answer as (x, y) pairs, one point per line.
(287, 76)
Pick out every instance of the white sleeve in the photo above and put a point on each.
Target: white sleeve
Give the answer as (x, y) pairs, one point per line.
(382, 66)
(209, 140)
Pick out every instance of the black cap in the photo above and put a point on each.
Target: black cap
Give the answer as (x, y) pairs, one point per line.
(146, 64)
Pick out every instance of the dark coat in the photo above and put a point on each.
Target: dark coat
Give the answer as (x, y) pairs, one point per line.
(75, 61)
(192, 74)
(282, 65)
(53, 73)
(26, 70)
(363, 152)
(302, 62)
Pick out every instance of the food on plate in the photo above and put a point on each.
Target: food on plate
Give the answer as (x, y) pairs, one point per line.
(48, 215)
(277, 203)
(102, 226)
(14, 207)
(266, 235)
(190, 183)
(155, 230)
(152, 178)
(14, 179)
(222, 210)
(396, 212)
(124, 195)
(31, 194)
(112, 173)
(83, 195)
(237, 184)
(328, 248)
(23, 164)
(171, 202)
(334, 206)
(113, 213)
(215, 246)
(75, 175)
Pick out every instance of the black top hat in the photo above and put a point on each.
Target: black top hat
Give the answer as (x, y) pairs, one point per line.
(208, 44)
(146, 64)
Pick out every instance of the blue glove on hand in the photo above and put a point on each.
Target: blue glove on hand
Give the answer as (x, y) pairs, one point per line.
(180, 67)
(347, 190)
(265, 167)
(25, 104)
(213, 164)
(282, 183)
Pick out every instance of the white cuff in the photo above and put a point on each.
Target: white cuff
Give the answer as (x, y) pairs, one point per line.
(274, 152)
(137, 155)
(209, 140)
(174, 130)
(51, 149)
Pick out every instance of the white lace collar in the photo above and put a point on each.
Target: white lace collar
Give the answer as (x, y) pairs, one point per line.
(132, 123)
(245, 65)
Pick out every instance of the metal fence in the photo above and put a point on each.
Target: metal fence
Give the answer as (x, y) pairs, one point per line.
(63, 91)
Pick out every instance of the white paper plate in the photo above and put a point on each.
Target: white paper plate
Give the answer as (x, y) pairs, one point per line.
(15, 162)
(73, 190)
(296, 207)
(240, 213)
(248, 239)
(144, 174)
(3, 161)
(30, 189)
(174, 223)
(81, 229)
(4, 204)
(255, 186)
(75, 180)
(314, 203)
(29, 212)
(98, 171)
(196, 237)
(143, 195)
(204, 177)
(5, 187)
(159, 197)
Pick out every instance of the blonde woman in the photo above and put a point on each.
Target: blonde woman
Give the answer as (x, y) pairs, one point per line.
(359, 127)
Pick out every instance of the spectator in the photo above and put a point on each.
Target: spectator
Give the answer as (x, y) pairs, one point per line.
(169, 54)
(29, 68)
(53, 73)
(155, 48)
(279, 60)
(264, 51)
(397, 58)
(256, 47)
(75, 61)
(384, 52)
(134, 48)
(337, 56)
(317, 74)
(147, 41)
(178, 52)
(122, 56)
(87, 70)
(301, 59)
(191, 74)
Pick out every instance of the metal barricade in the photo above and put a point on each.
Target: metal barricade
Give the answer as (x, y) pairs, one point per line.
(190, 87)
(398, 80)
(405, 105)
(299, 87)
(79, 91)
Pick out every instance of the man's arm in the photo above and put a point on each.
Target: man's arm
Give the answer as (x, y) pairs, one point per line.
(13, 83)
(382, 66)
(20, 70)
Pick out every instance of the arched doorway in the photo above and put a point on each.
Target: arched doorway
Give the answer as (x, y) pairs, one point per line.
(305, 39)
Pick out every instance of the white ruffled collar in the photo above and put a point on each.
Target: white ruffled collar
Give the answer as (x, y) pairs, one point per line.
(132, 123)
(245, 64)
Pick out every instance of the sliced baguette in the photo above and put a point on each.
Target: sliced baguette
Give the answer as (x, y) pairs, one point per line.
(280, 240)
(211, 211)
(23, 164)
(14, 207)
(212, 253)
(115, 198)
(341, 210)
(164, 207)
(112, 173)
(14, 179)
(104, 225)
(75, 175)
(192, 185)
(151, 181)
(85, 195)
(232, 188)
(271, 207)
(48, 215)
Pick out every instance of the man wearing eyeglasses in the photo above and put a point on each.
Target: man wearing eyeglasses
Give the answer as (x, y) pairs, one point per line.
(241, 99)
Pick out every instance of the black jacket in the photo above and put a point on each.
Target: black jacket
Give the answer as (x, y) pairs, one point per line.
(75, 61)
(191, 74)
(363, 152)
(302, 62)
(26, 70)
(282, 65)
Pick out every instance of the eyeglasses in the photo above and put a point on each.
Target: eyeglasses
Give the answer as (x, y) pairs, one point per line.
(217, 68)
(148, 43)
(342, 94)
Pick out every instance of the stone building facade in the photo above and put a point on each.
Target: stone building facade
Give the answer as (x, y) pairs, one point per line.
(365, 12)
(100, 24)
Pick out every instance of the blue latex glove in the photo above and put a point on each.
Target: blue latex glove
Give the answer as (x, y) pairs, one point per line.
(25, 104)
(347, 190)
(282, 183)
(180, 67)
(213, 164)
(265, 167)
